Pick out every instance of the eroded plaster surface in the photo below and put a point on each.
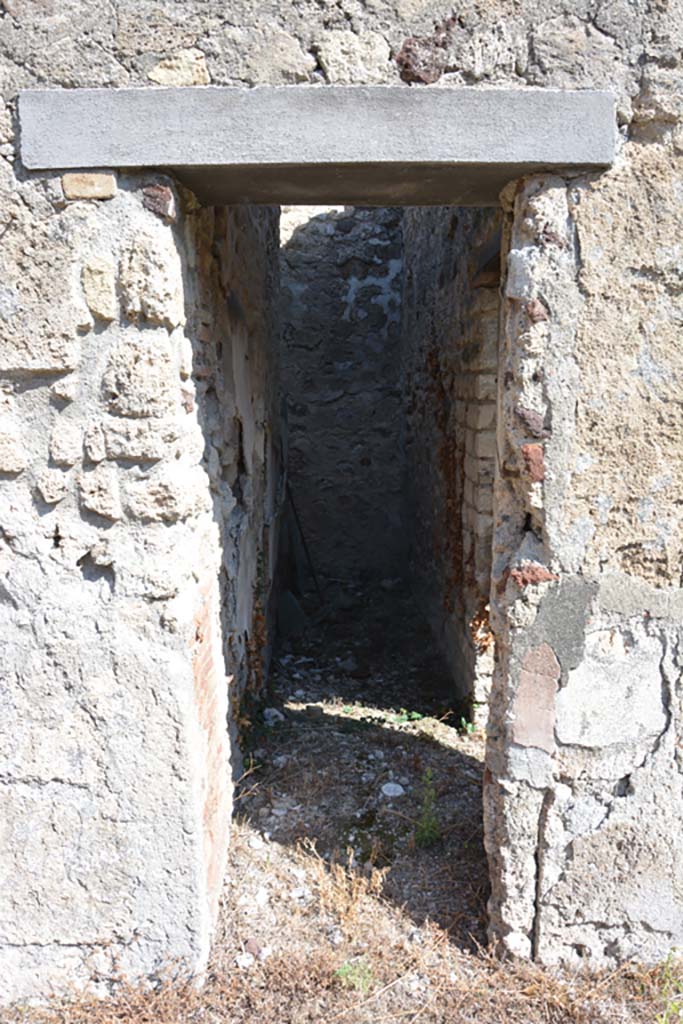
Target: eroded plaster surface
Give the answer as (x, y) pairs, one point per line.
(585, 723)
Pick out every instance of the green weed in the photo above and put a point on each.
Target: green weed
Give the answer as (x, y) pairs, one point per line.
(356, 974)
(404, 716)
(427, 830)
(672, 991)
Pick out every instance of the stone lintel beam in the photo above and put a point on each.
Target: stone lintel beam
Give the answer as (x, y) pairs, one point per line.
(382, 145)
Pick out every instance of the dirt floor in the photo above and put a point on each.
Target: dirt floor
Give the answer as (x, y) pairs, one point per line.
(357, 881)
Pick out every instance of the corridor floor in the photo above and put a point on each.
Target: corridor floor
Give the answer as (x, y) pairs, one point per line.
(361, 756)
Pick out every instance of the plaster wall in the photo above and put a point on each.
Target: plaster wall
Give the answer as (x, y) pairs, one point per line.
(585, 787)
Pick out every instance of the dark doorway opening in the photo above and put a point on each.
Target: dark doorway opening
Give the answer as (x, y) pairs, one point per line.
(371, 746)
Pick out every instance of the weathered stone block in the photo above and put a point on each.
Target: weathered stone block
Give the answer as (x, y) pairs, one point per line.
(93, 443)
(347, 57)
(258, 53)
(53, 485)
(186, 67)
(89, 185)
(99, 492)
(66, 443)
(174, 494)
(150, 279)
(567, 49)
(98, 278)
(65, 389)
(140, 378)
(12, 455)
(147, 441)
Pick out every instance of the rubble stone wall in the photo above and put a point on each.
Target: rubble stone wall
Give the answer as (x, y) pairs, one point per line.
(101, 594)
(585, 783)
(449, 342)
(341, 277)
(139, 460)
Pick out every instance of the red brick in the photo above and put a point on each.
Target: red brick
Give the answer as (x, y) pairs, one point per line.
(160, 200)
(534, 704)
(529, 573)
(534, 461)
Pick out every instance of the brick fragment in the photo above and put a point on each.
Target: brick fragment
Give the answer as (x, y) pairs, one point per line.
(534, 704)
(534, 461)
(160, 200)
(422, 59)
(532, 420)
(547, 236)
(528, 573)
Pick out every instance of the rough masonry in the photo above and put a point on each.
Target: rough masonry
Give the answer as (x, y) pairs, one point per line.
(140, 465)
(341, 286)
(141, 482)
(449, 338)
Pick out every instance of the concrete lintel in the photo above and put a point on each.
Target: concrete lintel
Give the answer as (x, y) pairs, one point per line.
(346, 144)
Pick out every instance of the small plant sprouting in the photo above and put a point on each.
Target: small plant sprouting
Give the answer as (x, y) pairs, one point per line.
(356, 974)
(466, 726)
(427, 830)
(404, 716)
(672, 991)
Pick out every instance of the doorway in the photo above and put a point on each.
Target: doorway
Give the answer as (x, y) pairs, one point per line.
(368, 749)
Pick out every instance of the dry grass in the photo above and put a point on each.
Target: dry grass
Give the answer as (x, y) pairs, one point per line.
(407, 987)
(343, 890)
(382, 971)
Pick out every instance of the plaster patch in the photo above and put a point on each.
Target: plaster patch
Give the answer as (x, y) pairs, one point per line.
(615, 695)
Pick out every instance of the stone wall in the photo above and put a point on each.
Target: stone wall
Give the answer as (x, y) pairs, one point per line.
(104, 749)
(240, 399)
(449, 339)
(138, 462)
(586, 786)
(341, 276)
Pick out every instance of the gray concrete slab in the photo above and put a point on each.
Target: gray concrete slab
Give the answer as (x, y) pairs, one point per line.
(354, 144)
